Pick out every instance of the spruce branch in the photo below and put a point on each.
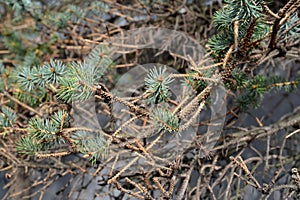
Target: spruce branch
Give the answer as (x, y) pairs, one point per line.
(199, 79)
(253, 90)
(28, 145)
(237, 10)
(235, 30)
(248, 34)
(82, 77)
(156, 82)
(165, 118)
(31, 98)
(142, 166)
(7, 117)
(283, 13)
(32, 81)
(51, 73)
(27, 77)
(91, 145)
(45, 134)
(290, 31)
